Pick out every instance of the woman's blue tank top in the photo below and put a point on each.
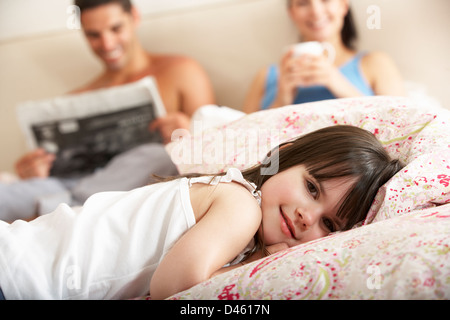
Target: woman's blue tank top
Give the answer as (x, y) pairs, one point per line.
(351, 70)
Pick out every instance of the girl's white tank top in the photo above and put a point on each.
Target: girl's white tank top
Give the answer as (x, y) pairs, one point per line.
(107, 249)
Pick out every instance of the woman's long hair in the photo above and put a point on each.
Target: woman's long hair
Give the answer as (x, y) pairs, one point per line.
(349, 33)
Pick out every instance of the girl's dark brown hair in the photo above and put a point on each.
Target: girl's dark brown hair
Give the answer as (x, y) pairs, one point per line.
(335, 152)
(329, 153)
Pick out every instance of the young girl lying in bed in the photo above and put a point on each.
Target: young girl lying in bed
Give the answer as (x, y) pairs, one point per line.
(172, 235)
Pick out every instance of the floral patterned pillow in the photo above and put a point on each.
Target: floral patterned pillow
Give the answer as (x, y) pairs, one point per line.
(394, 255)
(407, 257)
(409, 131)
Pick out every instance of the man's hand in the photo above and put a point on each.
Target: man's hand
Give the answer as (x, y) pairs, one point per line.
(166, 125)
(35, 164)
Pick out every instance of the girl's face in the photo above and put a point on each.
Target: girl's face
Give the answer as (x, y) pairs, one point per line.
(297, 209)
(318, 20)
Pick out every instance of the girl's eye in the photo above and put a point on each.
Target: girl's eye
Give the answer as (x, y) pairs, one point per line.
(329, 225)
(312, 189)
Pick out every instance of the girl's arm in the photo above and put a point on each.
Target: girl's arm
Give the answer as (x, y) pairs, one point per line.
(255, 256)
(228, 225)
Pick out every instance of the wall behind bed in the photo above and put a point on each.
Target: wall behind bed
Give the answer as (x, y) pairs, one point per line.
(40, 57)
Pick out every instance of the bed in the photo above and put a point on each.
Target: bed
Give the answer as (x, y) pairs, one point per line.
(400, 251)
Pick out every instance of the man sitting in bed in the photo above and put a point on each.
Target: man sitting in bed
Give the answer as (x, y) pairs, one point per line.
(110, 28)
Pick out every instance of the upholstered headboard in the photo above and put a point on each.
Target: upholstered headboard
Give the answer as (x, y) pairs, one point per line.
(232, 39)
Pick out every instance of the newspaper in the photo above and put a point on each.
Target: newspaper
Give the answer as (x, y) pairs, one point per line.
(86, 130)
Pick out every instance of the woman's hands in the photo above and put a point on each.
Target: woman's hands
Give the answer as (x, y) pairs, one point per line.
(310, 70)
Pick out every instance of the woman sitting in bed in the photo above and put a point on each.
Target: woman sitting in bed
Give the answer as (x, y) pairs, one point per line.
(172, 235)
(308, 78)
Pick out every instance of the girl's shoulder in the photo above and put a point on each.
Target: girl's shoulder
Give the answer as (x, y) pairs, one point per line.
(232, 196)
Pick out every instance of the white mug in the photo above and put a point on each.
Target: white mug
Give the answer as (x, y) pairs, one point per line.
(314, 48)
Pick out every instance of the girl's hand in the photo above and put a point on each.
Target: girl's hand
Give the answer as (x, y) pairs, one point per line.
(269, 250)
(255, 256)
(277, 247)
